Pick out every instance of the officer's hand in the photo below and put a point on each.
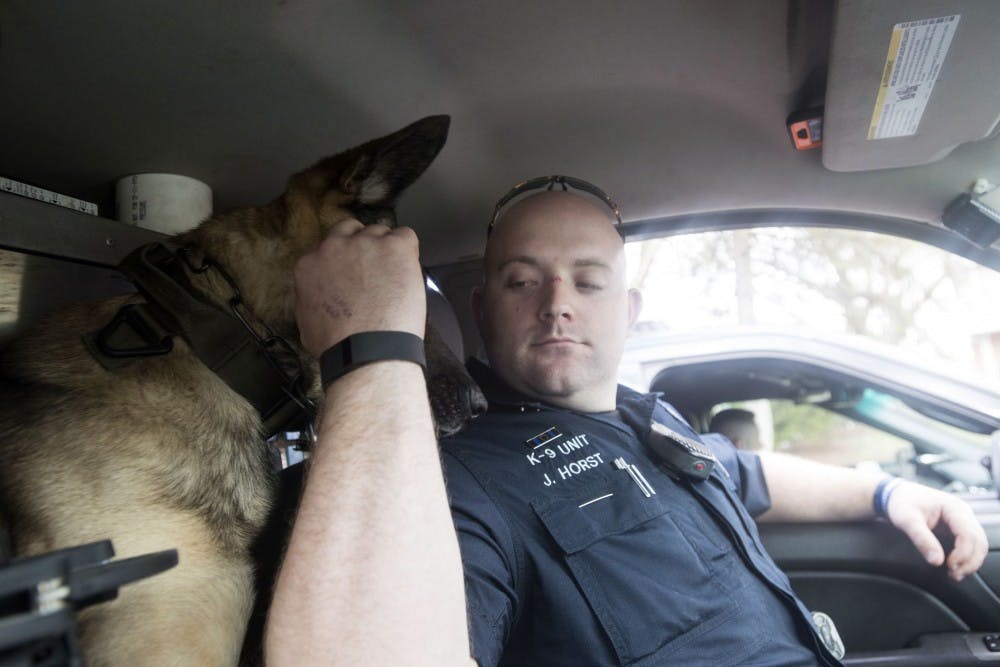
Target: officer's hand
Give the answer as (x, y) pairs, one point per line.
(360, 278)
(916, 510)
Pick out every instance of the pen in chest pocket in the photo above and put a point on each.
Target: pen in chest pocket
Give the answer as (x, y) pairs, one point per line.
(636, 476)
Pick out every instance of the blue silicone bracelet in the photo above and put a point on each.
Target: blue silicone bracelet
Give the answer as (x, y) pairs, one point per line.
(883, 491)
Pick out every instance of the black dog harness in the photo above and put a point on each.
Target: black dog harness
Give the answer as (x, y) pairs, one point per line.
(226, 341)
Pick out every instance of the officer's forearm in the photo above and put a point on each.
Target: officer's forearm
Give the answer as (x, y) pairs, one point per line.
(372, 575)
(803, 490)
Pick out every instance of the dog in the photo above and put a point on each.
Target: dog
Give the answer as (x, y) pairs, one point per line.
(158, 451)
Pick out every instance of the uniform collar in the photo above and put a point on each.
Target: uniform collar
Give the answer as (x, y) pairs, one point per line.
(503, 396)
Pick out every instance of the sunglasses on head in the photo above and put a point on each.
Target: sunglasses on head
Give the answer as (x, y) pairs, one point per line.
(549, 183)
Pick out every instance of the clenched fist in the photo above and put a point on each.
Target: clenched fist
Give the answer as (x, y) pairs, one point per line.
(360, 278)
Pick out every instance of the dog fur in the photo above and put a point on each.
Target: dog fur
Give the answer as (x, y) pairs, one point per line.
(162, 453)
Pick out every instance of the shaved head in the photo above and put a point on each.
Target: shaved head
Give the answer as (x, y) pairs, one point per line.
(553, 205)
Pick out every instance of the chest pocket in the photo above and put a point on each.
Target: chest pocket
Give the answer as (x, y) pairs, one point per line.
(653, 570)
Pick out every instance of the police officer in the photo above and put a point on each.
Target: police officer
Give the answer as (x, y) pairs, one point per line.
(581, 522)
(739, 426)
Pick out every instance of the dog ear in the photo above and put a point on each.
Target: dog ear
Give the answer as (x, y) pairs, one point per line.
(363, 182)
(381, 169)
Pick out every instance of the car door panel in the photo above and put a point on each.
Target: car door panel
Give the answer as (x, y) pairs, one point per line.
(890, 606)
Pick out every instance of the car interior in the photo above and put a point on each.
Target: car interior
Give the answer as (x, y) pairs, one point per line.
(695, 115)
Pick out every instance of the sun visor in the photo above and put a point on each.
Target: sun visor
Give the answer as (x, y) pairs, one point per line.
(910, 81)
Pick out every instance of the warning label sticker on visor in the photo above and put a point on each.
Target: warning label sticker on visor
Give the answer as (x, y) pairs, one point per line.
(916, 52)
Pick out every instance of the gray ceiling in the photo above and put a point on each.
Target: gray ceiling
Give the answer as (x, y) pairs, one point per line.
(674, 107)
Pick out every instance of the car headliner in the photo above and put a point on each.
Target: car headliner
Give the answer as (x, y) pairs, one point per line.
(676, 108)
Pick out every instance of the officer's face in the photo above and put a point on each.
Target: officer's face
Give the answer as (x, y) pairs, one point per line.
(554, 310)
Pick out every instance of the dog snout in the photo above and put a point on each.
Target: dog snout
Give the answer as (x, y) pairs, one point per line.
(454, 401)
(476, 401)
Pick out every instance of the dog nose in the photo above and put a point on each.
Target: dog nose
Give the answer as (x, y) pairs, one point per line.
(476, 401)
(454, 401)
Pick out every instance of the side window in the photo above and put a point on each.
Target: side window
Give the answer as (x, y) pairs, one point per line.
(932, 452)
(814, 433)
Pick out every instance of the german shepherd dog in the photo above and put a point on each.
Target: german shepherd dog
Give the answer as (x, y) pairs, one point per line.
(161, 453)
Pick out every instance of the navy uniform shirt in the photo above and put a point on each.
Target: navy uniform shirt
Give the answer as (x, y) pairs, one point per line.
(572, 560)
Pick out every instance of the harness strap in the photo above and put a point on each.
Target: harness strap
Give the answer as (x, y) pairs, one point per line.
(219, 339)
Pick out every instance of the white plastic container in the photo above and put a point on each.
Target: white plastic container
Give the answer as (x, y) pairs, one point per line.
(167, 203)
